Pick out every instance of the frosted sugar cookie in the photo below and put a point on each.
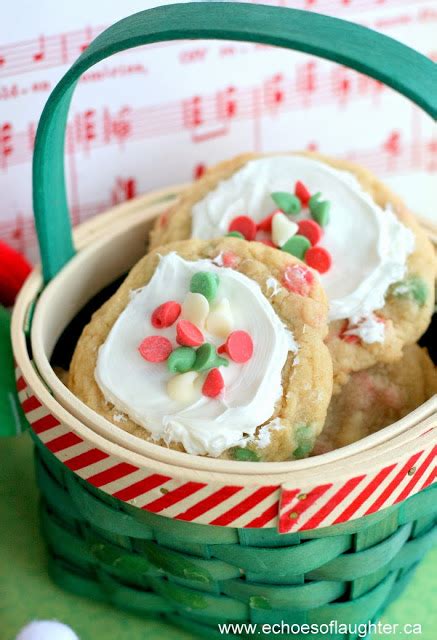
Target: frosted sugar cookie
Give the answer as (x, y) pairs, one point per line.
(377, 397)
(373, 259)
(203, 349)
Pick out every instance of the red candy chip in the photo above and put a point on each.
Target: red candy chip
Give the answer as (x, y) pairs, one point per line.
(298, 279)
(318, 258)
(302, 193)
(155, 348)
(267, 242)
(351, 339)
(266, 223)
(188, 335)
(230, 259)
(245, 225)
(311, 230)
(214, 384)
(239, 346)
(166, 314)
(221, 349)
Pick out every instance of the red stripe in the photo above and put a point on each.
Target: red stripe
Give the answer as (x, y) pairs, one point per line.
(265, 517)
(173, 496)
(362, 497)
(430, 479)
(140, 487)
(113, 473)
(63, 442)
(244, 506)
(207, 503)
(416, 477)
(287, 497)
(85, 459)
(21, 383)
(45, 423)
(393, 484)
(301, 506)
(30, 404)
(334, 501)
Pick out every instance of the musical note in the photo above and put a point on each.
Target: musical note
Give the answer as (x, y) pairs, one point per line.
(40, 54)
(274, 91)
(117, 127)
(392, 145)
(86, 127)
(192, 112)
(227, 104)
(341, 83)
(306, 79)
(6, 147)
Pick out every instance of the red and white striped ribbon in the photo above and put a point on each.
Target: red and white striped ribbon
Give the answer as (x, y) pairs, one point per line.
(220, 505)
(299, 509)
(338, 502)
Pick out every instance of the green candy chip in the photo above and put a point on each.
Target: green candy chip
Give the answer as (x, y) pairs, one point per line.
(207, 358)
(205, 283)
(305, 442)
(320, 212)
(287, 202)
(314, 200)
(235, 234)
(413, 288)
(297, 246)
(181, 360)
(244, 455)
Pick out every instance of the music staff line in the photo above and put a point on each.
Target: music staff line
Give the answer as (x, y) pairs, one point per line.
(48, 51)
(203, 116)
(393, 156)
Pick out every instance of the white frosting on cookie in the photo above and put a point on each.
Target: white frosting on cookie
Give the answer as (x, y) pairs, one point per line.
(138, 388)
(369, 246)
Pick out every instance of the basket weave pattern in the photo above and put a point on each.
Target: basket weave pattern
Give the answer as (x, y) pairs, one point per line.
(199, 576)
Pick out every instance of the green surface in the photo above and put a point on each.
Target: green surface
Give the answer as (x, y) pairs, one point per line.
(26, 592)
(12, 417)
(352, 45)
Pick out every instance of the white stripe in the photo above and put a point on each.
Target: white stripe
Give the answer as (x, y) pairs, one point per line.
(72, 452)
(97, 467)
(37, 414)
(429, 472)
(382, 487)
(257, 510)
(51, 434)
(190, 501)
(198, 496)
(156, 493)
(24, 394)
(350, 497)
(318, 504)
(225, 506)
(125, 481)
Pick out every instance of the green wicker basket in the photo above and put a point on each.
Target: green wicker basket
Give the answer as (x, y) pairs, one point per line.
(199, 575)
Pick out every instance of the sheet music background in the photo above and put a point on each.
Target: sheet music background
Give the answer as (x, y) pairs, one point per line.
(159, 115)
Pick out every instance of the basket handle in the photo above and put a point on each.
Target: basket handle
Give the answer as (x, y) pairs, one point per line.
(357, 47)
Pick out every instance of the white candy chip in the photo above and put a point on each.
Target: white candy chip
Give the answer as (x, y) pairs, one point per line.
(46, 630)
(195, 308)
(273, 287)
(220, 320)
(282, 229)
(182, 387)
